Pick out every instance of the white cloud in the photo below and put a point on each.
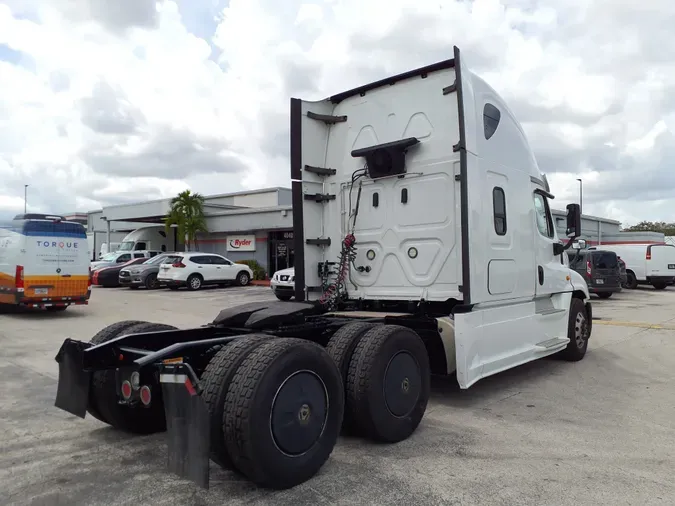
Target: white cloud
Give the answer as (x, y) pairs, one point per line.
(101, 105)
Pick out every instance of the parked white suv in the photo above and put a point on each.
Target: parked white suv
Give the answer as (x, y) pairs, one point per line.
(195, 269)
(283, 284)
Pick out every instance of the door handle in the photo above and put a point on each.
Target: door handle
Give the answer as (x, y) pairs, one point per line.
(541, 274)
(199, 267)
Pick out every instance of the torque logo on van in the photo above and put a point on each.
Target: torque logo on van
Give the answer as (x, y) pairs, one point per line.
(57, 244)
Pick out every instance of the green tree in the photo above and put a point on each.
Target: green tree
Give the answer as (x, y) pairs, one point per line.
(186, 212)
(650, 226)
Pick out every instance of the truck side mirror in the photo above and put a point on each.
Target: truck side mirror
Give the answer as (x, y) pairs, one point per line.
(573, 221)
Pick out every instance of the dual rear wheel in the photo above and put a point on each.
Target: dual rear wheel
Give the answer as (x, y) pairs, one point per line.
(277, 405)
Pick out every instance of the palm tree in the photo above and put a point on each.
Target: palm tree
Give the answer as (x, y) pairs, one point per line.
(186, 212)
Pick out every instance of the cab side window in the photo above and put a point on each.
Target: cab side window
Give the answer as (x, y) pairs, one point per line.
(499, 210)
(543, 216)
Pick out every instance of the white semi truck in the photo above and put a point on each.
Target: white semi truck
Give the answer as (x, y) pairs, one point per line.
(152, 237)
(424, 244)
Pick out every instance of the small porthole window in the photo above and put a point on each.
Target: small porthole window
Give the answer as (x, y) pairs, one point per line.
(491, 117)
(499, 210)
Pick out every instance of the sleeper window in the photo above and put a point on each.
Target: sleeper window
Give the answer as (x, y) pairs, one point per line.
(491, 117)
(499, 210)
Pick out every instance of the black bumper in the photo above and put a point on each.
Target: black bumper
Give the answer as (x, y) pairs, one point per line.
(171, 282)
(604, 289)
(660, 279)
(58, 301)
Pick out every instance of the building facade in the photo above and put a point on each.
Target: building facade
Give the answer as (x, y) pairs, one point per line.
(254, 225)
(258, 225)
(597, 231)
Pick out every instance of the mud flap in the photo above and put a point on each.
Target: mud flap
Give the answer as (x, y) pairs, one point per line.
(72, 394)
(187, 424)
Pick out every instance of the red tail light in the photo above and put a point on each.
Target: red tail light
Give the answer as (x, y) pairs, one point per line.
(178, 264)
(649, 254)
(18, 278)
(588, 268)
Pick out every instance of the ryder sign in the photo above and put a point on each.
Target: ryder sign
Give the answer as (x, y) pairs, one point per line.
(241, 243)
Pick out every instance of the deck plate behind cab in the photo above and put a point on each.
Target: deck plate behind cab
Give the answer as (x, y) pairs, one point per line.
(265, 314)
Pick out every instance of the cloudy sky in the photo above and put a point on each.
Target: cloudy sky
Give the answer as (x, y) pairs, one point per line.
(105, 102)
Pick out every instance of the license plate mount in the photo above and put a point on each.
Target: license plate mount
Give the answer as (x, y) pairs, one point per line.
(671, 266)
(41, 291)
(600, 281)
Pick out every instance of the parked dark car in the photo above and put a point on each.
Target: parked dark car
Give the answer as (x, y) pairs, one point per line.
(110, 276)
(601, 269)
(145, 274)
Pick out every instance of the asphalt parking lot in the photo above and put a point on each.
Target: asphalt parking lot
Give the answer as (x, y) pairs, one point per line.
(601, 431)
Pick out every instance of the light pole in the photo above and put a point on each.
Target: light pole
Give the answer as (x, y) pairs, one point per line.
(581, 195)
(25, 195)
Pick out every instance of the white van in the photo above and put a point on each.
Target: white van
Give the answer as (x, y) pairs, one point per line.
(646, 264)
(44, 262)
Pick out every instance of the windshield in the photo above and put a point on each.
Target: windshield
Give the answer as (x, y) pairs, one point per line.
(160, 259)
(155, 260)
(126, 246)
(109, 257)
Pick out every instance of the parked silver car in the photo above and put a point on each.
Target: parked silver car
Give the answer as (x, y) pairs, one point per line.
(145, 274)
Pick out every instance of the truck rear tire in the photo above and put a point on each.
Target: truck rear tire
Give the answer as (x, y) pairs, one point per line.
(660, 285)
(388, 383)
(134, 419)
(283, 413)
(102, 336)
(341, 348)
(604, 295)
(216, 381)
(577, 332)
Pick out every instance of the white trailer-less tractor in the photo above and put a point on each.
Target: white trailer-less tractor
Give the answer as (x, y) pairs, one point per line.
(424, 245)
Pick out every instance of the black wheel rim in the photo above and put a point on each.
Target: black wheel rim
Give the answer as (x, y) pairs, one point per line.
(402, 384)
(580, 330)
(299, 413)
(152, 281)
